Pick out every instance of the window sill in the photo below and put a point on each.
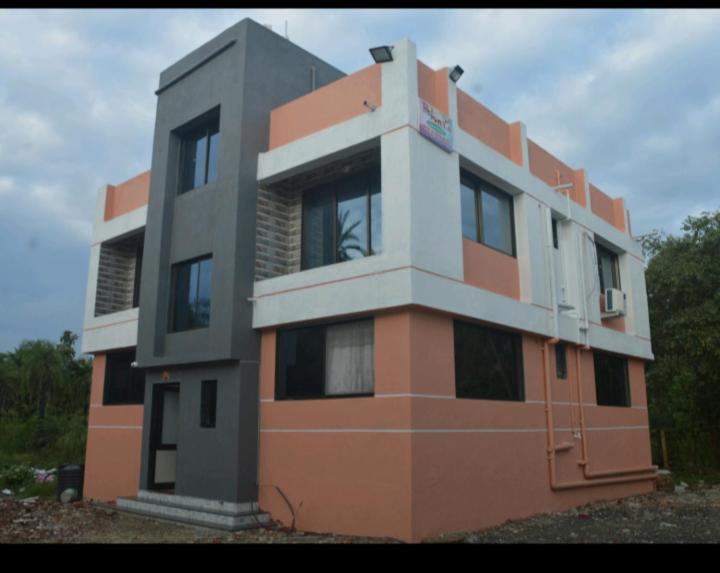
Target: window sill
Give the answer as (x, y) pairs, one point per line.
(332, 397)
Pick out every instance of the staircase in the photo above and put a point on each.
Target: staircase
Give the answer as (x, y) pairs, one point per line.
(194, 510)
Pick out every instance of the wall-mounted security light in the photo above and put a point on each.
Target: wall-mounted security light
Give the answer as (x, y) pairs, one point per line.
(382, 54)
(455, 73)
(370, 106)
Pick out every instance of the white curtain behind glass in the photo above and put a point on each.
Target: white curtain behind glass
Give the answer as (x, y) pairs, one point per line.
(349, 358)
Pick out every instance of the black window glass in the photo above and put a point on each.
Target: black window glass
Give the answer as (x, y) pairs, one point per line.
(487, 214)
(560, 361)
(123, 383)
(469, 212)
(300, 362)
(192, 284)
(199, 154)
(352, 221)
(375, 219)
(611, 380)
(138, 272)
(208, 403)
(607, 269)
(342, 220)
(318, 234)
(556, 243)
(488, 363)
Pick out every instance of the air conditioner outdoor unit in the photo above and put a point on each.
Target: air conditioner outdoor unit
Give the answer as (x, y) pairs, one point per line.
(614, 301)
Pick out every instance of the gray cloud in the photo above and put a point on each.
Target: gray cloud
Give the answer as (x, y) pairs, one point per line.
(629, 95)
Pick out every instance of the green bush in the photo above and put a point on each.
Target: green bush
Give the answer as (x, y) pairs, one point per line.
(16, 477)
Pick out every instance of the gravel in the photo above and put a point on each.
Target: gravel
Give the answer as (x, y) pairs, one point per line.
(690, 515)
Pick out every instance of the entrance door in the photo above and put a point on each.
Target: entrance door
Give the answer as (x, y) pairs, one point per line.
(163, 435)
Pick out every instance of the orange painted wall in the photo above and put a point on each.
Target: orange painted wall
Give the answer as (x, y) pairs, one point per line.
(127, 196)
(607, 208)
(112, 455)
(489, 269)
(433, 86)
(326, 106)
(413, 461)
(480, 122)
(545, 166)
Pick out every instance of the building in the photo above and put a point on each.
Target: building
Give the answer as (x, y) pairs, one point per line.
(368, 305)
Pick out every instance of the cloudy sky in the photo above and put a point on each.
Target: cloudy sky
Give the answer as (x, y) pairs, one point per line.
(631, 95)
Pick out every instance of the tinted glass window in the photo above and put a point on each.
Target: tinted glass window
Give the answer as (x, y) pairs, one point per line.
(318, 235)
(497, 221)
(352, 221)
(607, 269)
(487, 214)
(192, 284)
(375, 219)
(488, 363)
(123, 383)
(468, 212)
(208, 403)
(199, 155)
(611, 380)
(342, 220)
(300, 362)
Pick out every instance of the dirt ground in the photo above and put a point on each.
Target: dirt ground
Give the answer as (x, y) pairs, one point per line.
(690, 516)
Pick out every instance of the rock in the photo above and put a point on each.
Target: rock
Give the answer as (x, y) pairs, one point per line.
(681, 487)
(7, 492)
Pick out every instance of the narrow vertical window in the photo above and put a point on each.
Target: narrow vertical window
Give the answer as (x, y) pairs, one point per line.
(192, 285)
(607, 268)
(560, 361)
(199, 148)
(208, 403)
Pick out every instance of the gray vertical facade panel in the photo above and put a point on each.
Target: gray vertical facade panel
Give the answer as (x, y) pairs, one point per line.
(247, 70)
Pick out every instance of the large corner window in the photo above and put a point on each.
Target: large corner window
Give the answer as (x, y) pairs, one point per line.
(123, 383)
(191, 287)
(199, 144)
(608, 268)
(331, 361)
(341, 220)
(487, 214)
(488, 363)
(611, 380)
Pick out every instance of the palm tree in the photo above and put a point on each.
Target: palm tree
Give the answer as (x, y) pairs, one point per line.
(346, 237)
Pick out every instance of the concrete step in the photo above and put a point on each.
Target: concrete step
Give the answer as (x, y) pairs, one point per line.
(198, 503)
(226, 520)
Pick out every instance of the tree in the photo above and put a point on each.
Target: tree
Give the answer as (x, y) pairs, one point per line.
(683, 283)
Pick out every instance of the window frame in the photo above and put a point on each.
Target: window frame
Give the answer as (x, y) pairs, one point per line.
(282, 396)
(626, 381)
(208, 405)
(615, 270)
(173, 293)
(134, 372)
(517, 349)
(202, 127)
(331, 188)
(479, 186)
